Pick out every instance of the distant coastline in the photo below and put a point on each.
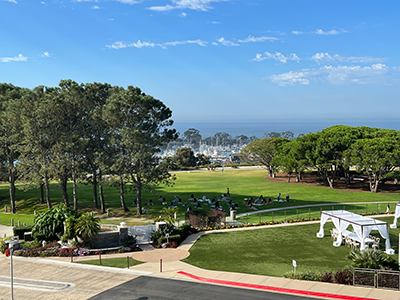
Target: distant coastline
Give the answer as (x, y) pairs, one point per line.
(259, 128)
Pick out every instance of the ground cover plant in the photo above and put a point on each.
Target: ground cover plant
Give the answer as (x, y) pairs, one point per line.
(118, 262)
(242, 184)
(270, 251)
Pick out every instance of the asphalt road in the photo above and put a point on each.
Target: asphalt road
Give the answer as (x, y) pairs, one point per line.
(149, 288)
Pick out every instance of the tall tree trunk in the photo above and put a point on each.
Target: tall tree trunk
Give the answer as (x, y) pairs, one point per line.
(373, 183)
(102, 202)
(138, 185)
(41, 188)
(121, 193)
(74, 191)
(95, 202)
(46, 184)
(64, 180)
(11, 180)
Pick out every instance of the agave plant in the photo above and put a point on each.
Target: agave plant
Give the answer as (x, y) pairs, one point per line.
(372, 259)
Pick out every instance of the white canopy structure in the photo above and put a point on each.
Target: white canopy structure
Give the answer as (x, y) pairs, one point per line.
(396, 216)
(361, 225)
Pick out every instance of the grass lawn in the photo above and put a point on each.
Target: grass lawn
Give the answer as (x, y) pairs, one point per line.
(312, 212)
(119, 262)
(242, 184)
(270, 251)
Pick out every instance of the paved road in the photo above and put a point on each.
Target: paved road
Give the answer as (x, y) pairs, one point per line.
(150, 288)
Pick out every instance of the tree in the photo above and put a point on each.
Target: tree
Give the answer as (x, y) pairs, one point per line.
(376, 158)
(263, 152)
(10, 132)
(222, 138)
(184, 157)
(202, 159)
(272, 134)
(140, 126)
(192, 135)
(39, 137)
(51, 222)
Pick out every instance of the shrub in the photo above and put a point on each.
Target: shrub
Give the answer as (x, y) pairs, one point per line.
(327, 277)
(371, 258)
(310, 275)
(129, 241)
(50, 224)
(234, 165)
(20, 230)
(343, 277)
(3, 244)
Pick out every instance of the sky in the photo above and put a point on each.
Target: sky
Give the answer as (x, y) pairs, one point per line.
(216, 60)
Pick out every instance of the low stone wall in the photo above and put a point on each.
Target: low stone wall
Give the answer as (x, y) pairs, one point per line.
(111, 239)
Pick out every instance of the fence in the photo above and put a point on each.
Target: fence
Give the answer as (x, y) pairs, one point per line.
(384, 279)
(314, 212)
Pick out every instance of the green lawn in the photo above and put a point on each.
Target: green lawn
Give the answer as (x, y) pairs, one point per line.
(119, 262)
(242, 184)
(312, 212)
(270, 251)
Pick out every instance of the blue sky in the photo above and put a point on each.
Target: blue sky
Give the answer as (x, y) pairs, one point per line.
(215, 60)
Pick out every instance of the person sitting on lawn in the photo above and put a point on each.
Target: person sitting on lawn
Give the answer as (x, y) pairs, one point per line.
(160, 198)
(287, 198)
(191, 197)
(270, 201)
(151, 202)
(164, 202)
(279, 196)
(216, 204)
(236, 206)
(179, 201)
(194, 201)
(199, 205)
(189, 209)
(185, 204)
(250, 202)
(253, 207)
(172, 205)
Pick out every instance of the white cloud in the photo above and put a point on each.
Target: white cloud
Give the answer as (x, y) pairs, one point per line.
(200, 5)
(374, 74)
(95, 7)
(214, 43)
(20, 57)
(12, 1)
(258, 39)
(277, 56)
(227, 43)
(322, 58)
(139, 44)
(321, 32)
(121, 1)
(183, 14)
(176, 43)
(215, 22)
(46, 54)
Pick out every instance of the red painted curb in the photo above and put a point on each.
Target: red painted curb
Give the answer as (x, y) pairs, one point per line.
(275, 289)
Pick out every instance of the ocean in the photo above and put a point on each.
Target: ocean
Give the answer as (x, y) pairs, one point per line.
(258, 129)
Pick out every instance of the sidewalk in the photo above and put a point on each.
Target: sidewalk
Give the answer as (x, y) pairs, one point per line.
(6, 231)
(172, 268)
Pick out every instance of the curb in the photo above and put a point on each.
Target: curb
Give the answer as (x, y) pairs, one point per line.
(274, 289)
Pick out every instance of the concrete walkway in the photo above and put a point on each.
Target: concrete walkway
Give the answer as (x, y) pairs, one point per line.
(5, 231)
(103, 278)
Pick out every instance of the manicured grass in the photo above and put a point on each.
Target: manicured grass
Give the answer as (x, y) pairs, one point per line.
(119, 262)
(312, 212)
(270, 251)
(5, 219)
(242, 184)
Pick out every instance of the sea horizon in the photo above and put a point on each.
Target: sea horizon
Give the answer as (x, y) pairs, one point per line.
(258, 129)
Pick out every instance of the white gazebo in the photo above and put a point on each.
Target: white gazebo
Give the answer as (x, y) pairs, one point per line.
(396, 216)
(361, 225)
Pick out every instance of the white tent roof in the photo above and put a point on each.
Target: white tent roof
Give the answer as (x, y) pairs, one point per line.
(362, 226)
